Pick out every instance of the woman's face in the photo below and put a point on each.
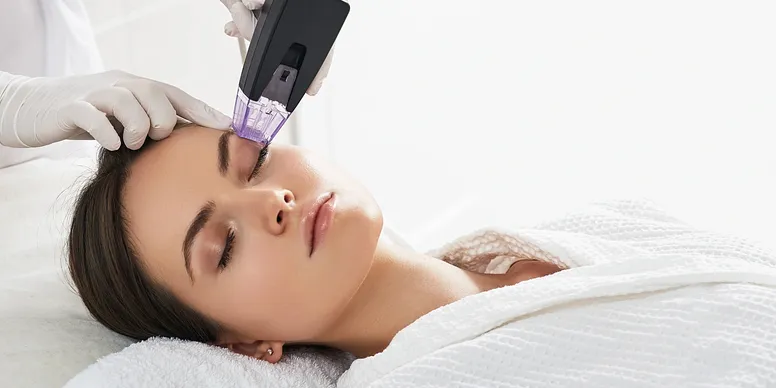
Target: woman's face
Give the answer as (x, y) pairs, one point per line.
(252, 249)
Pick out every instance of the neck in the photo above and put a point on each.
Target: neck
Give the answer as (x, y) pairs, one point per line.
(401, 286)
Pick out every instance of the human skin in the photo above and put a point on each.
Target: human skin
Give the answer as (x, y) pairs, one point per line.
(344, 288)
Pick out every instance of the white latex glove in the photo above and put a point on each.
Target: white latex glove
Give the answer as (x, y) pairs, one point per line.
(243, 23)
(36, 112)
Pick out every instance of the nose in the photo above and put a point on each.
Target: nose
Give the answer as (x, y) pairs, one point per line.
(276, 206)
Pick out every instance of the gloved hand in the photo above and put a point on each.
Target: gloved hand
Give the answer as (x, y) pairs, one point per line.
(39, 111)
(243, 23)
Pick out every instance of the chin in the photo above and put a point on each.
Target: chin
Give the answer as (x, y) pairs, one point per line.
(356, 233)
(340, 266)
(358, 224)
(352, 242)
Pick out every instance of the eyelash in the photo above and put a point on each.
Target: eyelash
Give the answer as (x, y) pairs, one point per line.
(259, 163)
(226, 256)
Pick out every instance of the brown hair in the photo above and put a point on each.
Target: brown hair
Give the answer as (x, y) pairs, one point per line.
(105, 267)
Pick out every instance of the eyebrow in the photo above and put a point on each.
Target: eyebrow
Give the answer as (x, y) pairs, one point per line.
(196, 226)
(223, 152)
(204, 214)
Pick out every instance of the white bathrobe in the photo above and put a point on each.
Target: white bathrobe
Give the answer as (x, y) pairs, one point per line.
(647, 302)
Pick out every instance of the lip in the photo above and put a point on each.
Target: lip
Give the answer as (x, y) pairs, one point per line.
(317, 219)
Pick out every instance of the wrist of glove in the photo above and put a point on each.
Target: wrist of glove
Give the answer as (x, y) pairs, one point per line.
(36, 112)
(243, 24)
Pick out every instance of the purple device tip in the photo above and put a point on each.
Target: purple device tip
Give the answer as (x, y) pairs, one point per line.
(258, 121)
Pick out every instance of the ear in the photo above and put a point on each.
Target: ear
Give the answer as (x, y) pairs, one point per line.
(270, 351)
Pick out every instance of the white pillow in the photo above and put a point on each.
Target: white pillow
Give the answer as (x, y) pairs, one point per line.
(46, 334)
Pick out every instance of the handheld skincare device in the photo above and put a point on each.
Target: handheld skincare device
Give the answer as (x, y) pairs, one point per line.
(288, 48)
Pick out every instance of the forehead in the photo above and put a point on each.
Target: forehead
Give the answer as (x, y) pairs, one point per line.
(167, 186)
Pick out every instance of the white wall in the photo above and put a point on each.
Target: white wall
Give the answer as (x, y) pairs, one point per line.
(452, 111)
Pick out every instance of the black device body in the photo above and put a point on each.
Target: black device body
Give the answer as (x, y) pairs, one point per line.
(294, 33)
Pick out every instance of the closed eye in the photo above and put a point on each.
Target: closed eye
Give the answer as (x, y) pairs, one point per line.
(259, 162)
(226, 255)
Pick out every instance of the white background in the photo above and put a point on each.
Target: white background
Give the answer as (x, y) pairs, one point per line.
(453, 111)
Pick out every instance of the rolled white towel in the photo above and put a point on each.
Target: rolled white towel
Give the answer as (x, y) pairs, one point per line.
(172, 363)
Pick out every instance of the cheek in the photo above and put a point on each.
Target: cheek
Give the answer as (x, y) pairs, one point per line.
(265, 268)
(255, 284)
(277, 302)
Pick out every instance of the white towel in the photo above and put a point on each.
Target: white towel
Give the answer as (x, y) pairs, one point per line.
(170, 363)
(648, 302)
